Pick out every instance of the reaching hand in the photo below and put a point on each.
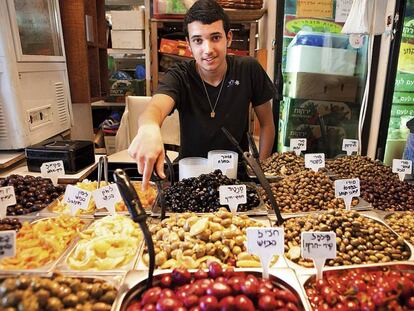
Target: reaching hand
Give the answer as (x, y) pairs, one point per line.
(147, 149)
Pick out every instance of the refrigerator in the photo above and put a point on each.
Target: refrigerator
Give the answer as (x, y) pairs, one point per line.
(398, 100)
(34, 88)
(320, 74)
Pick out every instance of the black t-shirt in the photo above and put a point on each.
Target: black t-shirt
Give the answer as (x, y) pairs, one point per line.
(245, 82)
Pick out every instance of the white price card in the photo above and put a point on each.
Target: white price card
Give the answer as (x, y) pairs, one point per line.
(76, 198)
(315, 161)
(347, 189)
(265, 242)
(233, 196)
(318, 246)
(107, 197)
(350, 146)
(297, 145)
(343, 7)
(402, 167)
(52, 170)
(223, 162)
(7, 198)
(7, 243)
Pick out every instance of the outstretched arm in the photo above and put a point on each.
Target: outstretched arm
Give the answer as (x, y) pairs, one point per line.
(147, 148)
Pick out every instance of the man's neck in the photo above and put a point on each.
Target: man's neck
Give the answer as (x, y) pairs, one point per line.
(213, 77)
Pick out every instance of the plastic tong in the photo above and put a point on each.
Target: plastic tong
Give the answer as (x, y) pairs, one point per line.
(137, 214)
(253, 162)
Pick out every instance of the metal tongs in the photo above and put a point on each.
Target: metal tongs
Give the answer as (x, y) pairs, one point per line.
(137, 214)
(253, 162)
(102, 166)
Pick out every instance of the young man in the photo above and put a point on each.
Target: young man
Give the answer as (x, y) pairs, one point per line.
(209, 92)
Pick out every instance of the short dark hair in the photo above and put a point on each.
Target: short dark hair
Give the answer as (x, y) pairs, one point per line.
(206, 12)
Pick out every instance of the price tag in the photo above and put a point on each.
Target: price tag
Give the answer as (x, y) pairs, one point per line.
(223, 162)
(76, 198)
(7, 243)
(233, 196)
(52, 170)
(297, 145)
(265, 243)
(347, 189)
(318, 246)
(7, 198)
(350, 146)
(402, 167)
(315, 161)
(107, 197)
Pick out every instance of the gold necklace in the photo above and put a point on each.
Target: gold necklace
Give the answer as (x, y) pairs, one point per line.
(213, 108)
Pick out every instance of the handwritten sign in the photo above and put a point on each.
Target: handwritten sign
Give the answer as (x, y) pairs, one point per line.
(52, 170)
(7, 198)
(265, 243)
(350, 146)
(223, 162)
(107, 197)
(232, 196)
(76, 198)
(343, 7)
(402, 167)
(318, 246)
(315, 161)
(297, 145)
(347, 189)
(314, 8)
(7, 243)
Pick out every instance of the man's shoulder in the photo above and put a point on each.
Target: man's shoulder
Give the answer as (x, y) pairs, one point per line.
(183, 66)
(242, 60)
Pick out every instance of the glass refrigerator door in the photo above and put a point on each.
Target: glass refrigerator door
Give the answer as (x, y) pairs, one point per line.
(402, 109)
(37, 31)
(324, 72)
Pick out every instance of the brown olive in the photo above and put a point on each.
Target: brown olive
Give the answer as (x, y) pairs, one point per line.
(70, 300)
(109, 297)
(54, 304)
(42, 297)
(8, 285)
(100, 306)
(96, 291)
(83, 296)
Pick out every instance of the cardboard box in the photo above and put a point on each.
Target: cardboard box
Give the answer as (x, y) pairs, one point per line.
(321, 87)
(307, 111)
(128, 20)
(127, 39)
(316, 59)
(299, 119)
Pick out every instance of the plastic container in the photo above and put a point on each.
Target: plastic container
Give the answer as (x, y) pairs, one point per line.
(224, 160)
(192, 167)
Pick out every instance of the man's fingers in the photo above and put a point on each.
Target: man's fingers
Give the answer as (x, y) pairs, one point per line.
(148, 168)
(159, 166)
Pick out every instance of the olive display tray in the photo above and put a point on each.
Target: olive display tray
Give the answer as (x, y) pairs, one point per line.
(48, 268)
(305, 277)
(134, 284)
(369, 214)
(63, 267)
(383, 215)
(259, 210)
(280, 263)
(102, 212)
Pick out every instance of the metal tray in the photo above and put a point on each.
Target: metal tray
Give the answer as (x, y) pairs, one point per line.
(48, 211)
(259, 210)
(307, 276)
(135, 281)
(280, 263)
(63, 267)
(383, 215)
(369, 214)
(49, 267)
